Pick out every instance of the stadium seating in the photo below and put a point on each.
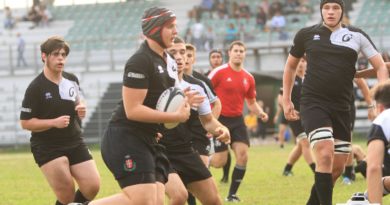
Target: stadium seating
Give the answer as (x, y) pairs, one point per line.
(98, 23)
(374, 14)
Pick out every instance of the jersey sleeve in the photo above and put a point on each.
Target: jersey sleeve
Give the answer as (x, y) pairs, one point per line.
(204, 108)
(214, 78)
(376, 133)
(251, 93)
(30, 103)
(380, 129)
(298, 49)
(137, 73)
(367, 46)
(210, 92)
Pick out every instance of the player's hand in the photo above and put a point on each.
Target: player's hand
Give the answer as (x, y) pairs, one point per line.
(81, 110)
(209, 135)
(158, 136)
(264, 117)
(184, 111)
(289, 112)
(223, 134)
(194, 98)
(62, 121)
(371, 112)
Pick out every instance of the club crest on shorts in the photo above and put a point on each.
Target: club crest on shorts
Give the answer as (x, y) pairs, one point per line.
(129, 164)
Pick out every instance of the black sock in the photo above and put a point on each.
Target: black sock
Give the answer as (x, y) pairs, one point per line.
(191, 199)
(324, 187)
(313, 166)
(79, 197)
(348, 171)
(226, 167)
(288, 167)
(361, 167)
(237, 176)
(59, 203)
(313, 199)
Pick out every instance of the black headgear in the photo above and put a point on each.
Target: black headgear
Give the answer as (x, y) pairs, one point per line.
(340, 2)
(154, 20)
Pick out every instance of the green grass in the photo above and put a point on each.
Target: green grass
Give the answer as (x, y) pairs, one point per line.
(23, 184)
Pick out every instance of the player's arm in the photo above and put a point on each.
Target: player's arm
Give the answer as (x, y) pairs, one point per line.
(370, 72)
(375, 153)
(279, 107)
(40, 125)
(216, 109)
(133, 99)
(254, 107)
(362, 85)
(213, 126)
(288, 83)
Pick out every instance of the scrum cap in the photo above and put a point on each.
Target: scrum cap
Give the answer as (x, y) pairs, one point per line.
(154, 20)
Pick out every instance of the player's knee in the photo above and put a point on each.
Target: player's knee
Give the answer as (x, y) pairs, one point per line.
(179, 198)
(212, 200)
(242, 157)
(92, 190)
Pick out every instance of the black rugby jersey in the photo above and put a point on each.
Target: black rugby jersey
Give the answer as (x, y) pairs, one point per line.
(380, 130)
(296, 92)
(196, 127)
(46, 100)
(331, 60)
(146, 70)
(179, 138)
(208, 86)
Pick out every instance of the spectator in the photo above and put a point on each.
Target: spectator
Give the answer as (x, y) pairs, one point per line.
(210, 36)
(274, 7)
(265, 6)
(262, 126)
(305, 7)
(251, 124)
(207, 6)
(9, 21)
(46, 15)
(33, 15)
(222, 10)
(278, 23)
(291, 7)
(197, 30)
(231, 35)
(235, 12)
(21, 47)
(261, 18)
(245, 12)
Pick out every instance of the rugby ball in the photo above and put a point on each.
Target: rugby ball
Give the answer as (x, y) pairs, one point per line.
(169, 101)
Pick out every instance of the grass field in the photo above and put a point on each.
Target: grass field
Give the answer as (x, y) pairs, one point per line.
(23, 184)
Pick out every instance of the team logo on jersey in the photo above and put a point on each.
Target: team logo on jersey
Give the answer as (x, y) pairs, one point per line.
(316, 37)
(347, 37)
(48, 95)
(229, 79)
(129, 164)
(160, 69)
(245, 81)
(71, 91)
